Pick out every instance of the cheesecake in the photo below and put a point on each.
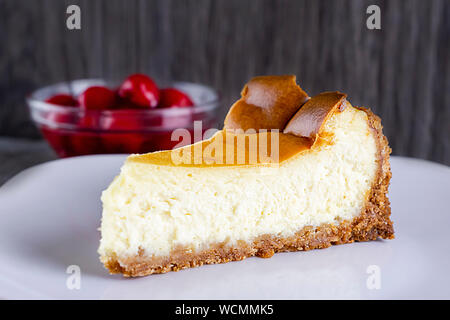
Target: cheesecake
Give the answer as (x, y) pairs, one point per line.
(287, 172)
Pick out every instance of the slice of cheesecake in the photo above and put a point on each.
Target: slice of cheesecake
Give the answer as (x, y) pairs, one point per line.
(319, 178)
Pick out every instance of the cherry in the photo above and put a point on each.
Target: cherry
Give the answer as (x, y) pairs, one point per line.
(89, 121)
(82, 143)
(63, 115)
(60, 117)
(97, 98)
(63, 100)
(140, 90)
(120, 120)
(122, 132)
(121, 142)
(124, 104)
(172, 97)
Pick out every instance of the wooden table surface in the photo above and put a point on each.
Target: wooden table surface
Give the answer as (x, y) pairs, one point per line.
(19, 154)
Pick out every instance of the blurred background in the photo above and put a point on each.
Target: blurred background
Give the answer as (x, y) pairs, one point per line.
(402, 71)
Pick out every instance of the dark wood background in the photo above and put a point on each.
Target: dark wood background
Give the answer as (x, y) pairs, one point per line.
(401, 71)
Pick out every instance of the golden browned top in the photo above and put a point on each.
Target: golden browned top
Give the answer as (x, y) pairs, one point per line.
(227, 148)
(268, 102)
(310, 118)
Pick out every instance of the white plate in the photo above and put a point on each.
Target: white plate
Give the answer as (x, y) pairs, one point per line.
(49, 215)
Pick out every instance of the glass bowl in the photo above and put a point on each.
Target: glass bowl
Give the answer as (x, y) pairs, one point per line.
(72, 131)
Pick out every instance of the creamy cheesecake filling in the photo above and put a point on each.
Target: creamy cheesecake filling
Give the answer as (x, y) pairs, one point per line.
(156, 208)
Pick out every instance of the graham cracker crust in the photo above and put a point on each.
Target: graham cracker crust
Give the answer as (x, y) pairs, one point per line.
(372, 223)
